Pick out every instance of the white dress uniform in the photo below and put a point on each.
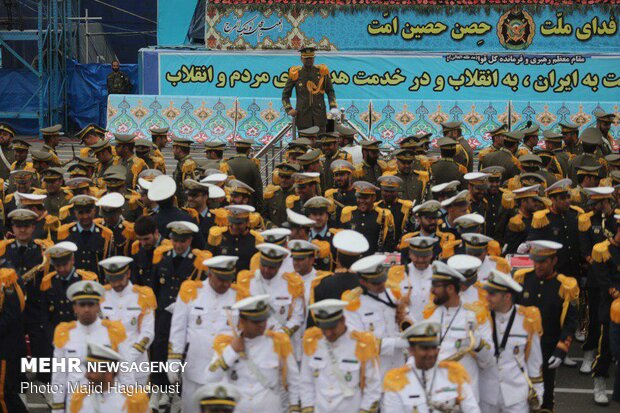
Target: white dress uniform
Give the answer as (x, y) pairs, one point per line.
(489, 264)
(135, 308)
(473, 293)
(417, 285)
(200, 315)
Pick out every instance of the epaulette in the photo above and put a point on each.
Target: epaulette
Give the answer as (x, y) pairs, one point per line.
(63, 230)
(493, 248)
(424, 161)
(367, 348)
(346, 214)
(358, 172)
(606, 182)
(395, 276)
(256, 221)
(146, 298)
(312, 336)
(429, 309)
(135, 247)
(404, 240)
(215, 235)
(424, 176)
(447, 249)
(138, 166)
(614, 311)
(116, 332)
(87, 275)
(293, 73)
(519, 275)
(270, 191)
(600, 252)
(221, 342)
(508, 199)
(136, 402)
(389, 172)
(255, 262)
(516, 224)
(516, 162)
(244, 278)
(64, 212)
(352, 297)
(281, 344)
(99, 221)
(334, 231)
(295, 284)
(189, 290)
(221, 216)
(575, 195)
(320, 276)
(224, 168)
(189, 166)
(77, 401)
(257, 237)
(480, 310)
(8, 198)
(46, 282)
(513, 183)
(522, 151)
(569, 291)
(324, 248)
(44, 243)
(192, 213)
(405, 206)
(539, 219)
(396, 379)
(577, 209)
(532, 321)
(128, 232)
(323, 70)
(3, 244)
(329, 194)
(106, 232)
(290, 201)
(84, 152)
(159, 252)
(585, 221)
(61, 333)
(201, 256)
(457, 374)
(501, 264)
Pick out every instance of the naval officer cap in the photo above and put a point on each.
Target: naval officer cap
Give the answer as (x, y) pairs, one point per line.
(403, 155)
(194, 186)
(182, 142)
(113, 200)
(143, 145)
(24, 199)
(182, 230)
(475, 244)
(443, 272)
(163, 187)
(599, 193)
(287, 169)
(422, 246)
(613, 159)
(476, 178)
(255, 308)
(345, 131)
(328, 313)
(217, 178)
(89, 129)
(371, 268)
(389, 182)
(350, 242)
(317, 204)
(446, 143)
(217, 397)
(22, 217)
(560, 187)
(456, 200)
(7, 129)
(500, 130)
(370, 145)
(589, 170)
(465, 264)
(215, 145)
(238, 214)
(530, 160)
(423, 334)
(302, 249)
(297, 220)
(61, 252)
(98, 353)
(89, 291)
(469, 221)
(430, 208)
(146, 178)
(215, 192)
(83, 202)
(222, 266)
(239, 187)
(499, 282)
(22, 176)
(275, 235)
(540, 250)
(115, 268)
(446, 187)
(272, 255)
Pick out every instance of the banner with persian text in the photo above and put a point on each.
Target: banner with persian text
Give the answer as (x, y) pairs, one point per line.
(392, 76)
(531, 28)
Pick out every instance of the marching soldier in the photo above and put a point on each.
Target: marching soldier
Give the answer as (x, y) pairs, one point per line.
(518, 359)
(90, 135)
(306, 187)
(57, 197)
(145, 151)
(186, 167)
(424, 384)
(400, 208)
(477, 184)
(106, 379)
(465, 329)
(591, 139)
(504, 156)
(202, 312)
(312, 134)
(275, 195)
(485, 249)
(455, 207)
(162, 191)
(260, 361)
(159, 137)
(197, 199)
(570, 135)
(110, 209)
(7, 155)
(555, 295)
(132, 305)
(530, 140)
(102, 150)
(414, 183)
(375, 223)
(343, 193)
(94, 241)
(372, 167)
(339, 369)
(464, 153)
(41, 161)
(218, 397)
(331, 153)
(520, 223)
(237, 238)
(446, 169)
(247, 170)
(51, 137)
(277, 236)
(559, 222)
(471, 289)
(311, 84)
(71, 339)
(242, 194)
(214, 152)
(497, 142)
(125, 148)
(603, 124)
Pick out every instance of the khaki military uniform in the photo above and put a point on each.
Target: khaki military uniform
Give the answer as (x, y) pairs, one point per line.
(464, 154)
(586, 159)
(446, 170)
(503, 158)
(54, 202)
(186, 169)
(9, 154)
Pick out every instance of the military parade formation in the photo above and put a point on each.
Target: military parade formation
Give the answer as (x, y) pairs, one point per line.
(352, 279)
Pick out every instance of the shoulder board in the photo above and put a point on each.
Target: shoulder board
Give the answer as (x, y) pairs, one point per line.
(577, 209)
(61, 334)
(481, 311)
(270, 191)
(189, 290)
(516, 224)
(290, 200)
(63, 230)
(584, 221)
(192, 213)
(519, 275)
(429, 309)
(540, 219)
(188, 166)
(293, 72)
(146, 298)
(159, 253)
(215, 235)
(46, 282)
(295, 284)
(569, 290)
(311, 339)
(221, 342)
(116, 332)
(532, 321)
(281, 343)
(600, 252)
(136, 402)
(258, 237)
(346, 214)
(456, 372)
(64, 212)
(367, 348)
(3, 244)
(396, 379)
(87, 275)
(135, 247)
(501, 264)
(106, 232)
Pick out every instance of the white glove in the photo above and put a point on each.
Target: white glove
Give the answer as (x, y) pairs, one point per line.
(335, 113)
(524, 248)
(173, 377)
(554, 362)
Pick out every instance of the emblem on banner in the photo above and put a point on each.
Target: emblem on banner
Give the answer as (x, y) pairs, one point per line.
(516, 29)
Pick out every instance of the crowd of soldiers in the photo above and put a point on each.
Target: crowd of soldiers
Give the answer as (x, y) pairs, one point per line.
(403, 284)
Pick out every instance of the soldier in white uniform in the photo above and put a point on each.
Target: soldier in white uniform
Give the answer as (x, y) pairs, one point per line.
(285, 290)
(472, 290)
(424, 385)
(339, 368)
(278, 236)
(518, 357)
(414, 279)
(259, 362)
(216, 398)
(304, 254)
(132, 305)
(465, 329)
(373, 308)
(477, 245)
(70, 338)
(109, 400)
(202, 311)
